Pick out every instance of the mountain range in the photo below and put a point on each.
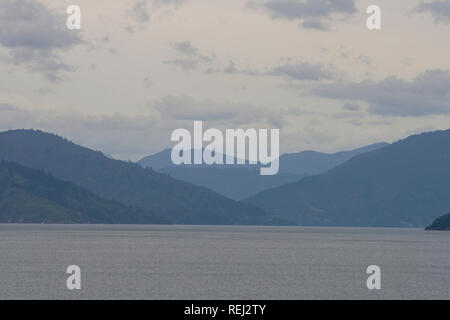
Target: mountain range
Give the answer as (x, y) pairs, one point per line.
(125, 182)
(405, 184)
(46, 178)
(241, 181)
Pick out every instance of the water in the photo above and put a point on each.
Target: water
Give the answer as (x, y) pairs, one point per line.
(232, 262)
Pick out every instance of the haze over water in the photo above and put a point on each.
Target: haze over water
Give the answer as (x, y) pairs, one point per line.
(221, 262)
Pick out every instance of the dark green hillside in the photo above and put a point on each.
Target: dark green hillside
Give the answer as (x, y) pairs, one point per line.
(32, 196)
(403, 184)
(125, 182)
(441, 223)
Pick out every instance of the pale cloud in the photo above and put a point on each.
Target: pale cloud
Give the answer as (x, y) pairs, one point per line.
(125, 137)
(426, 94)
(290, 71)
(351, 107)
(439, 9)
(141, 10)
(184, 107)
(186, 47)
(228, 113)
(35, 37)
(310, 14)
(173, 3)
(303, 71)
(190, 57)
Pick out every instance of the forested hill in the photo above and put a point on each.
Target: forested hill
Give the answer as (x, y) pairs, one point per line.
(441, 223)
(404, 184)
(32, 196)
(125, 182)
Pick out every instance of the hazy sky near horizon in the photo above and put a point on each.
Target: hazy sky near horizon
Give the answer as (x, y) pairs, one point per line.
(139, 69)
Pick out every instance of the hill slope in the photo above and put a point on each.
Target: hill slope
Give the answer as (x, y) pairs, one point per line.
(404, 184)
(234, 183)
(441, 223)
(31, 196)
(125, 182)
(308, 163)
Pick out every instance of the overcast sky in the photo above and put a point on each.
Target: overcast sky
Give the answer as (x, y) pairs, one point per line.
(139, 69)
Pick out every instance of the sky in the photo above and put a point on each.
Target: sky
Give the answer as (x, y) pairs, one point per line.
(138, 69)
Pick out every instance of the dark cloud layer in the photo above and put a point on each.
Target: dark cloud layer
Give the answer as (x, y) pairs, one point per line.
(439, 9)
(310, 14)
(427, 94)
(34, 36)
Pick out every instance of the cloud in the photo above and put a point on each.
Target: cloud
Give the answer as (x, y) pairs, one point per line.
(140, 10)
(426, 94)
(189, 57)
(7, 107)
(310, 14)
(34, 36)
(131, 137)
(184, 107)
(351, 107)
(439, 9)
(174, 3)
(125, 137)
(303, 71)
(229, 114)
(365, 60)
(148, 83)
(185, 64)
(292, 71)
(185, 47)
(316, 24)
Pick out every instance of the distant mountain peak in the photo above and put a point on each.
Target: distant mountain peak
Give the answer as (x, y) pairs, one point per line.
(241, 181)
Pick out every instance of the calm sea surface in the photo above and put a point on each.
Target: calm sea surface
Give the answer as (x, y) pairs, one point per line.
(209, 262)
